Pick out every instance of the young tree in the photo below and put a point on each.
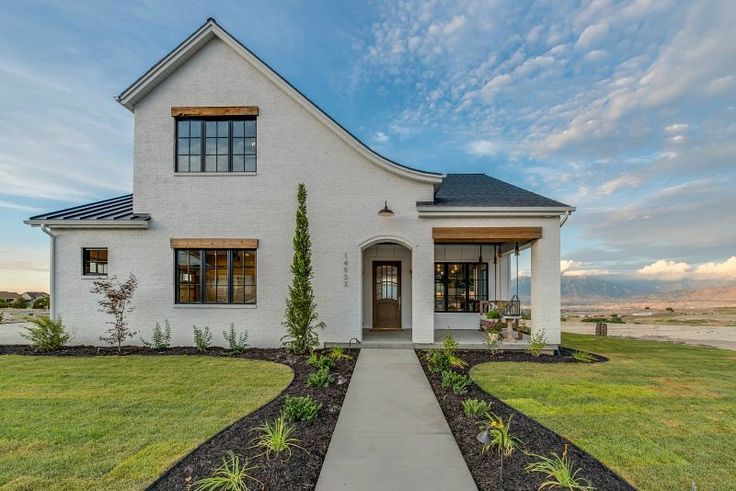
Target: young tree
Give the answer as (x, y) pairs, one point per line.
(301, 309)
(115, 301)
(20, 303)
(41, 303)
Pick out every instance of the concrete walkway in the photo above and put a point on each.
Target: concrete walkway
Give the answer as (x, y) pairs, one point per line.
(391, 434)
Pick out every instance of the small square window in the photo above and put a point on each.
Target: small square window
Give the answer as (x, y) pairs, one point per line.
(94, 261)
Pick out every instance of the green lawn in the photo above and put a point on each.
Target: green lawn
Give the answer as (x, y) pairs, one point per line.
(659, 414)
(118, 422)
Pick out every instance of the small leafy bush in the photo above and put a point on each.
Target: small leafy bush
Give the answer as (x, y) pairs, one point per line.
(560, 472)
(46, 334)
(275, 438)
(320, 378)
(444, 358)
(319, 361)
(300, 408)
(338, 353)
(537, 343)
(456, 381)
(230, 476)
(202, 338)
(500, 439)
(238, 342)
(161, 338)
(493, 342)
(474, 408)
(493, 314)
(582, 356)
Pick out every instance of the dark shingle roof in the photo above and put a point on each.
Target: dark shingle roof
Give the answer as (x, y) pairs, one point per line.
(482, 190)
(120, 208)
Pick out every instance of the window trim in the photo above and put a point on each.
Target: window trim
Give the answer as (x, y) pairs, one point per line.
(467, 286)
(203, 145)
(107, 263)
(203, 280)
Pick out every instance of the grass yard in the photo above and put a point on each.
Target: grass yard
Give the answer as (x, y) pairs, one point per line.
(659, 414)
(116, 423)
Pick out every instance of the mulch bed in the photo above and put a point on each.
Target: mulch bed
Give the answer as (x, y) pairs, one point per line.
(536, 438)
(300, 471)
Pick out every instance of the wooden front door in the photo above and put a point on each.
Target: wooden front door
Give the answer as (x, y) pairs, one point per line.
(387, 295)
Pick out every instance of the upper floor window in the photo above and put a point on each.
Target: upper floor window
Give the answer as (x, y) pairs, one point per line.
(94, 261)
(216, 145)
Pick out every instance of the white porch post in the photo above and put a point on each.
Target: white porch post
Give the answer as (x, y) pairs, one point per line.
(545, 270)
(422, 293)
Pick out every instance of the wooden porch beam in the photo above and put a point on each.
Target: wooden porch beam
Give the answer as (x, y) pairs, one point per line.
(194, 111)
(484, 235)
(214, 243)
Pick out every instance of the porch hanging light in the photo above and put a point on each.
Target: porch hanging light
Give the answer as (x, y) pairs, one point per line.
(385, 211)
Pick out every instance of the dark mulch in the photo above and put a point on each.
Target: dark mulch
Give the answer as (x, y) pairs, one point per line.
(536, 438)
(300, 471)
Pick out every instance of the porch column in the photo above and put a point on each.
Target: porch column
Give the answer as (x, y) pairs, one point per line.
(545, 270)
(422, 293)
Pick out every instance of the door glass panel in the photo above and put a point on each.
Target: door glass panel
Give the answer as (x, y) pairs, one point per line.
(387, 282)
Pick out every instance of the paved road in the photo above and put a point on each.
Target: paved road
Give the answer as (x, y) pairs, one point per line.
(391, 433)
(10, 333)
(718, 337)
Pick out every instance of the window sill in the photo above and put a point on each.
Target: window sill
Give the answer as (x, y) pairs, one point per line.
(214, 174)
(214, 306)
(94, 277)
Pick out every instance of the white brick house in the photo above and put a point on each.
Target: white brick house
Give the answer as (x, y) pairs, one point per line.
(221, 143)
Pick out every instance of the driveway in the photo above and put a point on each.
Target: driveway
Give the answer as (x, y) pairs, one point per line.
(10, 333)
(718, 337)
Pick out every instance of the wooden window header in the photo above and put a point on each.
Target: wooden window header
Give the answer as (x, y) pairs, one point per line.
(195, 111)
(483, 235)
(214, 243)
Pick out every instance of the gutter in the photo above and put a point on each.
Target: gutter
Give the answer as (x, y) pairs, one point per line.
(52, 271)
(564, 219)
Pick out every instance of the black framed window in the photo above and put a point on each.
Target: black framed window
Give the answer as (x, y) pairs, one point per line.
(215, 276)
(94, 261)
(459, 287)
(216, 145)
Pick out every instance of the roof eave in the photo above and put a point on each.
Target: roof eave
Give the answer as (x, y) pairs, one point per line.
(210, 29)
(493, 211)
(87, 224)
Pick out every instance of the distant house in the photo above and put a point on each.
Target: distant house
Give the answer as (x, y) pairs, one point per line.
(31, 296)
(8, 296)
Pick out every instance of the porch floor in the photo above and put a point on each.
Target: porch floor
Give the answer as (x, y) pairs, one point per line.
(466, 338)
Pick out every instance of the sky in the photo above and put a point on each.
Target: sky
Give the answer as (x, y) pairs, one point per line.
(626, 110)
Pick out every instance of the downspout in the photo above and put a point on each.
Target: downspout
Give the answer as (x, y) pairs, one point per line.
(52, 271)
(564, 219)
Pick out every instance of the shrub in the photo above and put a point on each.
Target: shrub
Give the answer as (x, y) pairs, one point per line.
(161, 338)
(41, 303)
(275, 438)
(230, 476)
(669, 309)
(526, 315)
(300, 408)
(20, 303)
(116, 298)
(202, 338)
(46, 334)
(338, 353)
(537, 343)
(492, 342)
(492, 314)
(457, 382)
(301, 309)
(319, 361)
(238, 342)
(500, 438)
(475, 407)
(560, 471)
(320, 378)
(444, 358)
(582, 356)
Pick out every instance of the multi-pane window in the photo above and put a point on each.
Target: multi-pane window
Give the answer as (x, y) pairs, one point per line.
(94, 261)
(216, 145)
(218, 276)
(459, 287)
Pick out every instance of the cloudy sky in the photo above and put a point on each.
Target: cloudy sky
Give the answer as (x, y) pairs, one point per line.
(626, 110)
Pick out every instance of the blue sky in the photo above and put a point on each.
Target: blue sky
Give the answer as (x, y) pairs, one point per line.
(626, 110)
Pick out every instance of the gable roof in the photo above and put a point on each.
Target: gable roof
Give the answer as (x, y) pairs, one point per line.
(481, 190)
(210, 30)
(112, 213)
(9, 295)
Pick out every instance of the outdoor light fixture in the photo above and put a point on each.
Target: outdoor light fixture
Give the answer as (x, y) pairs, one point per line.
(385, 211)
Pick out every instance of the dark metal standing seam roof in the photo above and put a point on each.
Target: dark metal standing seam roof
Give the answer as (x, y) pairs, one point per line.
(481, 190)
(120, 208)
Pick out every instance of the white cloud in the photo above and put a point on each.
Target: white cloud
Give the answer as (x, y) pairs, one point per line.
(595, 55)
(569, 267)
(665, 269)
(676, 128)
(591, 34)
(725, 270)
(493, 86)
(482, 148)
(381, 137)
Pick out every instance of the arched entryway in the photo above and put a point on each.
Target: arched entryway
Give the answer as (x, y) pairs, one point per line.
(386, 285)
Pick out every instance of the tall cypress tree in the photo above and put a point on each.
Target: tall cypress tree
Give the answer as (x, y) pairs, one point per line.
(301, 309)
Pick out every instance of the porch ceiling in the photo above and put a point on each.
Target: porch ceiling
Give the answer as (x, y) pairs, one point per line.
(484, 235)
